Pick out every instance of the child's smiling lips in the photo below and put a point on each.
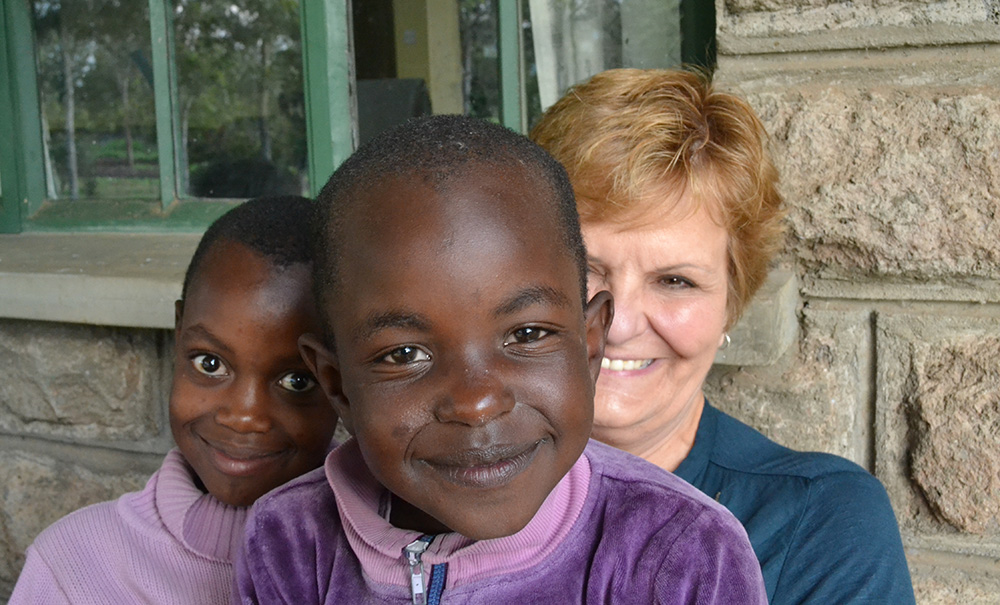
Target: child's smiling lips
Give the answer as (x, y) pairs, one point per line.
(487, 467)
(241, 460)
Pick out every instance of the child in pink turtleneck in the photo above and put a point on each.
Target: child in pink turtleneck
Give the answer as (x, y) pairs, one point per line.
(245, 413)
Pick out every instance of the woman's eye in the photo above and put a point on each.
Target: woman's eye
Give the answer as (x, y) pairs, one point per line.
(208, 364)
(297, 382)
(526, 334)
(675, 281)
(405, 354)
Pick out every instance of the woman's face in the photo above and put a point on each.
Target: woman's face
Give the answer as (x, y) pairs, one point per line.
(669, 280)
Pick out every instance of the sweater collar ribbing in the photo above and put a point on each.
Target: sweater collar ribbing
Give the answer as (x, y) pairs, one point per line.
(378, 544)
(195, 518)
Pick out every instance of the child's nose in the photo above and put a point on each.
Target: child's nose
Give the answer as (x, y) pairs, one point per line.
(475, 398)
(246, 410)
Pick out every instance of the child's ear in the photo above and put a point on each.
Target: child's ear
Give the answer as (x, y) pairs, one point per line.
(323, 365)
(598, 315)
(178, 316)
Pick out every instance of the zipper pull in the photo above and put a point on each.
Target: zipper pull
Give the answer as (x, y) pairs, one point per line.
(412, 553)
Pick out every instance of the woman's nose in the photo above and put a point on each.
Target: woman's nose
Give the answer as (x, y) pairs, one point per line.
(630, 318)
(475, 397)
(247, 409)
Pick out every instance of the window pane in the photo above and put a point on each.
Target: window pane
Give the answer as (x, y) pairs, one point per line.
(416, 58)
(241, 103)
(95, 85)
(481, 59)
(567, 41)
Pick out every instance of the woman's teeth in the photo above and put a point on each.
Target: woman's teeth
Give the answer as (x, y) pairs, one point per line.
(618, 365)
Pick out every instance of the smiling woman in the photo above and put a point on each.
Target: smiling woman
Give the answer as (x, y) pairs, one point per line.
(681, 216)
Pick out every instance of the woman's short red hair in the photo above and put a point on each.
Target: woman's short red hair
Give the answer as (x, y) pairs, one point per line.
(626, 133)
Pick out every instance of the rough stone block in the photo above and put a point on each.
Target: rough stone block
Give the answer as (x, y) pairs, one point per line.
(762, 26)
(886, 178)
(769, 324)
(81, 382)
(36, 490)
(938, 424)
(815, 397)
(946, 579)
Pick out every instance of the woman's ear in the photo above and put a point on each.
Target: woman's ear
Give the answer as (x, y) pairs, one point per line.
(598, 315)
(323, 365)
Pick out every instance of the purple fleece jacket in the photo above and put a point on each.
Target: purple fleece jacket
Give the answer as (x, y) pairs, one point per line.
(641, 536)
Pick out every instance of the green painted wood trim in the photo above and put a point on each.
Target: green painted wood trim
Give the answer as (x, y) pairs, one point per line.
(328, 70)
(24, 112)
(10, 183)
(509, 25)
(165, 97)
(698, 44)
(186, 216)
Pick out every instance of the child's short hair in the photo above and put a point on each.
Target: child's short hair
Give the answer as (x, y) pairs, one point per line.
(276, 227)
(438, 148)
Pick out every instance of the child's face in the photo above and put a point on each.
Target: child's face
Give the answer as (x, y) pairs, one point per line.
(244, 408)
(466, 359)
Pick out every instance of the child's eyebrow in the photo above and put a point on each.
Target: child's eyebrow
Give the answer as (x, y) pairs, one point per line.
(532, 295)
(376, 322)
(200, 331)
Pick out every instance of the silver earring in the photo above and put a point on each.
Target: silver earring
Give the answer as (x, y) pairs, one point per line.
(727, 341)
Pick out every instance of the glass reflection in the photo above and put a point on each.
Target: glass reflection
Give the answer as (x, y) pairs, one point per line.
(241, 101)
(567, 41)
(96, 93)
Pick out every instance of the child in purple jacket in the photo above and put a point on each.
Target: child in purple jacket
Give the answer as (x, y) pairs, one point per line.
(245, 412)
(461, 354)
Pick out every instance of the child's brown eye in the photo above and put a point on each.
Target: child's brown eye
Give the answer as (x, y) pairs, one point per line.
(526, 334)
(297, 382)
(209, 365)
(405, 354)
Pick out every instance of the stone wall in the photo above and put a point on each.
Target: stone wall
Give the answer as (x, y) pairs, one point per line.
(885, 118)
(83, 419)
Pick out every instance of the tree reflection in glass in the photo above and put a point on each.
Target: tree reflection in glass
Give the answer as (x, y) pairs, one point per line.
(96, 95)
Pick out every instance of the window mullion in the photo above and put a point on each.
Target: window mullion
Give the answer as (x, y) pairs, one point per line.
(509, 43)
(23, 165)
(328, 70)
(165, 101)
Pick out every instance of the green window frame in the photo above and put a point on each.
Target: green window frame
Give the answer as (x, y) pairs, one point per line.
(330, 126)
(331, 114)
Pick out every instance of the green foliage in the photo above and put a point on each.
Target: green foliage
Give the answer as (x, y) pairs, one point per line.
(144, 150)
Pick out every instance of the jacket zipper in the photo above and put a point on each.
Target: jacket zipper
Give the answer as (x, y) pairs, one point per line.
(421, 594)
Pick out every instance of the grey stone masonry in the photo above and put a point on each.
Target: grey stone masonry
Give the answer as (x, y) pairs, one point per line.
(81, 383)
(766, 26)
(42, 484)
(885, 124)
(82, 420)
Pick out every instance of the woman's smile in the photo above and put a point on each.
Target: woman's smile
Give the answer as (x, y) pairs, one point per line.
(625, 365)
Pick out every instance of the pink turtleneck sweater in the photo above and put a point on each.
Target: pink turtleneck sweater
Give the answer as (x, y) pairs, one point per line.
(169, 543)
